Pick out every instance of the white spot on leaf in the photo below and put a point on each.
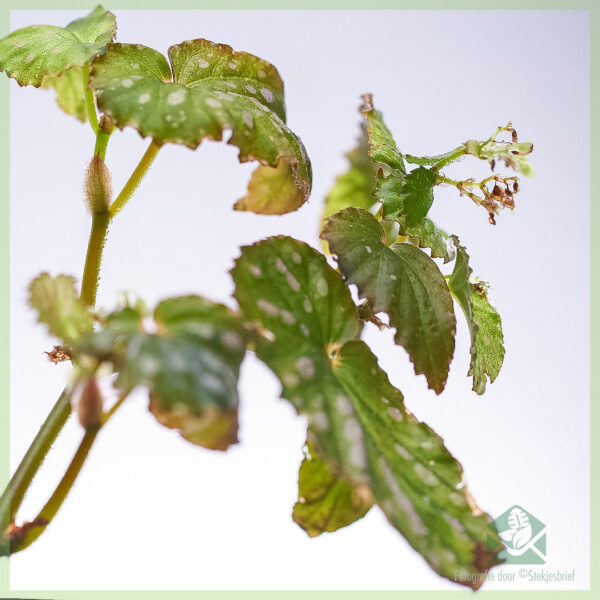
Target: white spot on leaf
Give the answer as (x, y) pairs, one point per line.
(267, 94)
(395, 413)
(176, 97)
(305, 366)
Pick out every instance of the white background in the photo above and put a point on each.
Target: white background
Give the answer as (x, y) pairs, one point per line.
(151, 511)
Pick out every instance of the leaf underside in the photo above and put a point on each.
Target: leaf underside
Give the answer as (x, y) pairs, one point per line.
(202, 92)
(307, 325)
(401, 281)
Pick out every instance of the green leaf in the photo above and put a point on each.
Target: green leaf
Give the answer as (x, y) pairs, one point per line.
(430, 161)
(424, 235)
(512, 154)
(326, 502)
(382, 147)
(401, 281)
(58, 306)
(70, 95)
(412, 196)
(32, 54)
(357, 420)
(485, 326)
(190, 365)
(208, 89)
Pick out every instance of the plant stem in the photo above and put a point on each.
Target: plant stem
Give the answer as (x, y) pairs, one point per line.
(12, 497)
(93, 259)
(89, 100)
(57, 499)
(134, 181)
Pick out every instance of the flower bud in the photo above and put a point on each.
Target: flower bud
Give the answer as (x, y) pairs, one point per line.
(90, 405)
(97, 187)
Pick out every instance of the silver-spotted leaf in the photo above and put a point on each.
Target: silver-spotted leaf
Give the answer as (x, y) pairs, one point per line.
(401, 281)
(190, 365)
(327, 502)
(357, 420)
(485, 326)
(53, 57)
(58, 306)
(202, 92)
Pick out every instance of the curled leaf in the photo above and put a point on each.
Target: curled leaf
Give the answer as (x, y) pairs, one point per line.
(485, 326)
(202, 92)
(326, 502)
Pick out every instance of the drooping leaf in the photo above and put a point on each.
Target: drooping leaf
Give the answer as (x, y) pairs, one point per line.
(357, 419)
(204, 91)
(327, 502)
(69, 90)
(401, 281)
(190, 365)
(59, 307)
(485, 326)
(49, 56)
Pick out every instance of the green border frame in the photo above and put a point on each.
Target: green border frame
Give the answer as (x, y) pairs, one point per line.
(594, 11)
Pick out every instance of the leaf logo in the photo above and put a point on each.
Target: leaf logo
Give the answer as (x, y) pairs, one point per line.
(519, 533)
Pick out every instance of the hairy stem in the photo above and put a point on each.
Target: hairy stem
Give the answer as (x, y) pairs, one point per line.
(48, 512)
(135, 180)
(93, 260)
(12, 497)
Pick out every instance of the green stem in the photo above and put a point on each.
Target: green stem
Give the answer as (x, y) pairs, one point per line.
(93, 259)
(134, 181)
(90, 104)
(102, 138)
(12, 497)
(45, 516)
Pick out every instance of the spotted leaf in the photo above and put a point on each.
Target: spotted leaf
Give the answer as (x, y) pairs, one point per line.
(190, 365)
(307, 323)
(204, 90)
(326, 502)
(58, 306)
(485, 326)
(53, 57)
(401, 281)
